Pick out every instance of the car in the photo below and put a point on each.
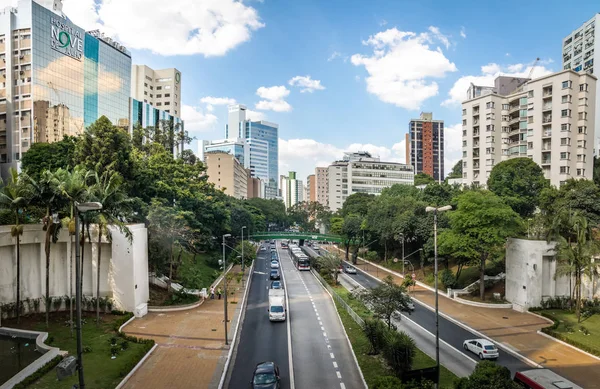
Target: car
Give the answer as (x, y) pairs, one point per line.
(274, 265)
(276, 285)
(483, 348)
(263, 248)
(350, 269)
(265, 376)
(272, 242)
(274, 275)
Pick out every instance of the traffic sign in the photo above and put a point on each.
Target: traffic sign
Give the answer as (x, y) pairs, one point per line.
(395, 259)
(414, 276)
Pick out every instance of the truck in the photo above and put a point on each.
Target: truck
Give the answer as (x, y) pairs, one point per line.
(277, 309)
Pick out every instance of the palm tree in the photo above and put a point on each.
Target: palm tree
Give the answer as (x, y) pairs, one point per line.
(16, 194)
(116, 206)
(73, 186)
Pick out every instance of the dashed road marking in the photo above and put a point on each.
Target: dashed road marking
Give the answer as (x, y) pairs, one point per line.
(331, 355)
(342, 386)
(335, 364)
(339, 374)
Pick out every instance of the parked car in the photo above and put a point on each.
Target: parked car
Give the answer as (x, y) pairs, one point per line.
(350, 269)
(274, 265)
(263, 248)
(266, 376)
(276, 285)
(483, 348)
(274, 275)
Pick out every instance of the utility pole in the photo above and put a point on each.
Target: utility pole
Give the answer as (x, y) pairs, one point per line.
(225, 287)
(243, 227)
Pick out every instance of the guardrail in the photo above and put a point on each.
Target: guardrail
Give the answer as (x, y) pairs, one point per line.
(339, 300)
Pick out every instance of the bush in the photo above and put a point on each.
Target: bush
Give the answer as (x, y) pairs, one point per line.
(487, 375)
(448, 278)
(399, 352)
(375, 330)
(558, 302)
(388, 382)
(39, 373)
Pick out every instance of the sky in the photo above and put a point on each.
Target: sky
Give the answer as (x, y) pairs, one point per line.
(336, 75)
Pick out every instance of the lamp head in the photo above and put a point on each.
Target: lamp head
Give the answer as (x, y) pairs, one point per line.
(85, 207)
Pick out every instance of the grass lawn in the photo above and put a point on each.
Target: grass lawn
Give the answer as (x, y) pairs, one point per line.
(574, 334)
(100, 370)
(374, 366)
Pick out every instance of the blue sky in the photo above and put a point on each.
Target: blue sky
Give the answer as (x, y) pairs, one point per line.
(379, 63)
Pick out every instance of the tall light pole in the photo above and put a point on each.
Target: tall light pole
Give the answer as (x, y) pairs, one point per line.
(243, 227)
(80, 207)
(402, 235)
(225, 286)
(437, 312)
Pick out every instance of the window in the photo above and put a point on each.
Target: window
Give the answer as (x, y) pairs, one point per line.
(530, 145)
(490, 127)
(490, 104)
(167, 103)
(167, 95)
(530, 93)
(464, 143)
(565, 141)
(564, 155)
(505, 107)
(581, 144)
(564, 170)
(581, 172)
(158, 104)
(464, 112)
(151, 87)
(566, 99)
(505, 118)
(464, 122)
(565, 127)
(464, 154)
(146, 93)
(151, 95)
(581, 157)
(505, 129)
(167, 86)
(583, 87)
(583, 101)
(582, 129)
(565, 113)
(567, 84)
(582, 115)
(158, 96)
(146, 84)
(464, 164)
(523, 101)
(159, 88)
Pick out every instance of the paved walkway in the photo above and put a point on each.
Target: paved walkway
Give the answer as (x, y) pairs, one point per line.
(513, 329)
(191, 351)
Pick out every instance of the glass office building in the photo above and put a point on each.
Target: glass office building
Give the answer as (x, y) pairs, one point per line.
(262, 138)
(55, 79)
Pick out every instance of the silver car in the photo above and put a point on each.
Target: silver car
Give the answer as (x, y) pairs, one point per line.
(483, 348)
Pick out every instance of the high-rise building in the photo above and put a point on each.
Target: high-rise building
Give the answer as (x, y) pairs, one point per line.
(322, 191)
(311, 188)
(146, 115)
(579, 49)
(292, 190)
(55, 79)
(159, 88)
(236, 147)
(361, 173)
(549, 119)
(227, 173)
(261, 139)
(425, 146)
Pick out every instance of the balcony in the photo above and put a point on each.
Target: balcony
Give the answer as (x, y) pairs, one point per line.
(547, 119)
(513, 108)
(547, 93)
(547, 107)
(475, 122)
(514, 120)
(547, 134)
(546, 161)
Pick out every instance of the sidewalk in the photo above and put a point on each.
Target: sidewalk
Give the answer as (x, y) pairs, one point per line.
(515, 330)
(191, 350)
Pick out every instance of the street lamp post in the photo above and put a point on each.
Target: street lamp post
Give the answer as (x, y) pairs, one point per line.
(243, 227)
(437, 312)
(80, 207)
(402, 235)
(225, 286)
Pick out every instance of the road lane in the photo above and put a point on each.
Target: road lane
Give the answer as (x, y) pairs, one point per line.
(321, 353)
(260, 340)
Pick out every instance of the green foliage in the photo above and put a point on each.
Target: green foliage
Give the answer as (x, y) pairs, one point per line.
(357, 204)
(423, 179)
(597, 171)
(487, 375)
(329, 264)
(574, 195)
(386, 300)
(456, 170)
(448, 278)
(375, 330)
(399, 352)
(519, 182)
(49, 156)
(48, 366)
(273, 211)
(387, 382)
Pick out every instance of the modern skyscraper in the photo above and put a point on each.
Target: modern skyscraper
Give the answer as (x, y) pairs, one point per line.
(425, 146)
(579, 49)
(322, 191)
(261, 137)
(311, 188)
(159, 88)
(362, 173)
(549, 119)
(292, 190)
(48, 88)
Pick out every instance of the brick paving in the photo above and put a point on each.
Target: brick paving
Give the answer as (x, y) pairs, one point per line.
(516, 330)
(191, 348)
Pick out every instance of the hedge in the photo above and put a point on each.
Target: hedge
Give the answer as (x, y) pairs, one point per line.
(39, 373)
(551, 330)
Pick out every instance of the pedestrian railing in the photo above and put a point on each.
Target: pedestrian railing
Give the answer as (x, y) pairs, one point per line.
(339, 300)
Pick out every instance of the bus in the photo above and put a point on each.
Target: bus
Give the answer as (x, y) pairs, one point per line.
(542, 379)
(301, 260)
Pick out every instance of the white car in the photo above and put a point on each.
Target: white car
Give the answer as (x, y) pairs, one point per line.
(263, 248)
(483, 348)
(350, 269)
(274, 265)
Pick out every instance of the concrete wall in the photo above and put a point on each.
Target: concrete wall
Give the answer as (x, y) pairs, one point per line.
(530, 274)
(123, 267)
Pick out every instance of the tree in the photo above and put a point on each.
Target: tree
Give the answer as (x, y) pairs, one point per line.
(43, 156)
(482, 222)
(16, 194)
(357, 204)
(375, 330)
(387, 300)
(399, 351)
(330, 263)
(487, 375)
(519, 182)
(423, 179)
(597, 171)
(351, 230)
(574, 195)
(456, 170)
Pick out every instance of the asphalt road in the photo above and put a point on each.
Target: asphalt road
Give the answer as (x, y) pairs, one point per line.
(453, 334)
(260, 340)
(322, 357)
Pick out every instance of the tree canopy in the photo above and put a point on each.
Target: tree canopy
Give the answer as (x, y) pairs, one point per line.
(423, 179)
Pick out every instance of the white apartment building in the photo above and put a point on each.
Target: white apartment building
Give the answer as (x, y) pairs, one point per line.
(160, 88)
(549, 119)
(322, 181)
(362, 173)
(292, 190)
(579, 49)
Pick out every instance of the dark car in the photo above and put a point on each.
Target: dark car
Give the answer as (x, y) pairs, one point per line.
(275, 274)
(266, 376)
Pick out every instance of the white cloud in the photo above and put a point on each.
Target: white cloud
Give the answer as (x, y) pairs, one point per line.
(383, 22)
(255, 115)
(402, 65)
(8, 3)
(489, 72)
(218, 100)
(438, 35)
(463, 33)
(273, 99)
(452, 146)
(196, 120)
(306, 83)
(334, 55)
(303, 155)
(207, 27)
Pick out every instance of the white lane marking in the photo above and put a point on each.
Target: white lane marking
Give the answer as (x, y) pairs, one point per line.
(335, 364)
(342, 386)
(339, 374)
(331, 355)
(322, 328)
(325, 334)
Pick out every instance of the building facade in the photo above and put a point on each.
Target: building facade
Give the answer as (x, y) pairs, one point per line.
(292, 190)
(227, 173)
(236, 147)
(579, 50)
(159, 88)
(311, 188)
(362, 173)
(322, 190)
(425, 146)
(549, 119)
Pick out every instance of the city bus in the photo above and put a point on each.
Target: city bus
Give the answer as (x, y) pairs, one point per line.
(301, 260)
(542, 379)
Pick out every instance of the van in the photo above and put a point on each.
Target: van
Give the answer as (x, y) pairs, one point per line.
(277, 309)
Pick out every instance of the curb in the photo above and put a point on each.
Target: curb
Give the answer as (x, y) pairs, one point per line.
(139, 364)
(568, 345)
(540, 316)
(126, 323)
(176, 307)
(482, 305)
